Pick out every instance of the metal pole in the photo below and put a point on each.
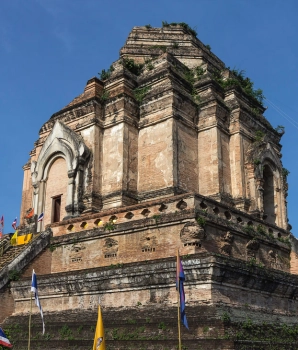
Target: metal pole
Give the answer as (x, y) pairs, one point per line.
(30, 321)
(178, 299)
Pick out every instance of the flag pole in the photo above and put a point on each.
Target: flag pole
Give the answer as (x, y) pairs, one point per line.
(178, 299)
(30, 321)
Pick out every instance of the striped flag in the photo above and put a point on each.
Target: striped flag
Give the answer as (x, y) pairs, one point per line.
(4, 340)
(34, 290)
(40, 218)
(180, 278)
(14, 223)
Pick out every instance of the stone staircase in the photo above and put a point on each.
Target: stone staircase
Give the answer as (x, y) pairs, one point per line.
(16, 258)
(10, 254)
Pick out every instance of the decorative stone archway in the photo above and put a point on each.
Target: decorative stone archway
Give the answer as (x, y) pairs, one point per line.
(266, 182)
(61, 142)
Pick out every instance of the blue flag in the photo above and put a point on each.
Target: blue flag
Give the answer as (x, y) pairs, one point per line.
(34, 290)
(4, 340)
(180, 278)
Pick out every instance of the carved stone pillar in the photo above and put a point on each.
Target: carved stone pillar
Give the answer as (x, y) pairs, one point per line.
(40, 205)
(70, 194)
(78, 193)
(260, 188)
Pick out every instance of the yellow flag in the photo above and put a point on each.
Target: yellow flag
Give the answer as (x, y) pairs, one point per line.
(99, 339)
(13, 240)
(25, 239)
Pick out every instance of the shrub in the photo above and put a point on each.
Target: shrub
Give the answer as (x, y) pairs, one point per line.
(140, 93)
(109, 226)
(14, 275)
(225, 317)
(135, 68)
(201, 221)
(105, 74)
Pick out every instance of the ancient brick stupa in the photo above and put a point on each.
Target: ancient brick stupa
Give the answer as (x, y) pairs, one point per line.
(167, 150)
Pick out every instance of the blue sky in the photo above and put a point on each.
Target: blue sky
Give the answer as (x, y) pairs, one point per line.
(50, 48)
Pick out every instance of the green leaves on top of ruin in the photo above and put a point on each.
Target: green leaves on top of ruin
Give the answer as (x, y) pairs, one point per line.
(191, 75)
(285, 172)
(259, 136)
(105, 74)
(109, 226)
(188, 28)
(128, 63)
(135, 68)
(140, 93)
(239, 79)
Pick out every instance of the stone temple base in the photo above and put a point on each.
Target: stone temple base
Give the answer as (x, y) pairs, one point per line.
(231, 304)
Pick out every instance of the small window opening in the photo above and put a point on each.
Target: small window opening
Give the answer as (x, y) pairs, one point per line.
(98, 222)
(163, 207)
(113, 219)
(148, 250)
(56, 209)
(181, 205)
(215, 210)
(203, 205)
(129, 215)
(113, 255)
(84, 224)
(70, 228)
(145, 212)
(196, 244)
(228, 215)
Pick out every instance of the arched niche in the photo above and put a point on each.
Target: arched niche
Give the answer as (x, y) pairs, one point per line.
(56, 190)
(64, 143)
(273, 201)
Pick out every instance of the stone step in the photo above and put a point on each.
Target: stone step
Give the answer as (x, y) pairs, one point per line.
(150, 327)
(200, 344)
(10, 254)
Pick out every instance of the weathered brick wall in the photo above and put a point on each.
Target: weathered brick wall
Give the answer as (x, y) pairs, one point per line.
(294, 256)
(26, 194)
(155, 231)
(113, 161)
(155, 157)
(93, 139)
(151, 243)
(238, 188)
(160, 240)
(186, 153)
(208, 162)
(7, 303)
(224, 162)
(210, 279)
(130, 171)
(41, 264)
(56, 185)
